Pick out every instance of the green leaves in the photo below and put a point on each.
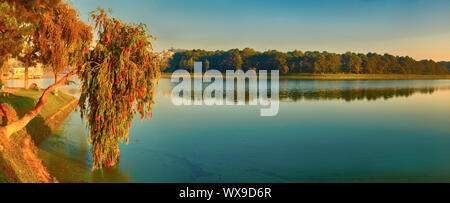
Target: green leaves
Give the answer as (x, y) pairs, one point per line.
(299, 62)
(118, 81)
(13, 31)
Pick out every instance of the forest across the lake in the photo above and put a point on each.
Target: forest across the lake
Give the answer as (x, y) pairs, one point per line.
(315, 62)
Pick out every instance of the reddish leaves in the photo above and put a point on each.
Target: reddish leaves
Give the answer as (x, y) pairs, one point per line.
(115, 82)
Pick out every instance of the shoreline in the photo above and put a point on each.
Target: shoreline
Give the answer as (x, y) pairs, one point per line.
(19, 160)
(307, 76)
(364, 77)
(312, 76)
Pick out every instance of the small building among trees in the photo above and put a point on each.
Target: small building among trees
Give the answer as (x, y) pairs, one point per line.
(15, 69)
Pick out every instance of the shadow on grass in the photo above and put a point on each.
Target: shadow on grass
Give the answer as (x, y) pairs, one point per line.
(37, 128)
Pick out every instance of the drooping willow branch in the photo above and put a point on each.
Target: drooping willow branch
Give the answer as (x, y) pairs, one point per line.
(15, 126)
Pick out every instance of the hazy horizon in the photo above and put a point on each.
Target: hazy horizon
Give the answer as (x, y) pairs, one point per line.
(415, 28)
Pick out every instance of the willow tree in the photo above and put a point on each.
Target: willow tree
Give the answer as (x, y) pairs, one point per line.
(118, 81)
(62, 38)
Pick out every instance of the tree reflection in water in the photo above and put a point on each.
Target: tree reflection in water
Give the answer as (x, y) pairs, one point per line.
(347, 94)
(370, 94)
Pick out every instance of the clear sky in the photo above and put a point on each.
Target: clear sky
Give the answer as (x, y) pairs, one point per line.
(418, 28)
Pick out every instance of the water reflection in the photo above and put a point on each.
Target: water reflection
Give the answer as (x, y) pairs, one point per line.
(370, 94)
(293, 91)
(404, 138)
(296, 90)
(67, 155)
(66, 152)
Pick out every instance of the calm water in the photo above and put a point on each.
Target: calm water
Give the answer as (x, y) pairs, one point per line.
(326, 131)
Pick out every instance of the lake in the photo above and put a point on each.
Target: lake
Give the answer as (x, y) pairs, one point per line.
(326, 131)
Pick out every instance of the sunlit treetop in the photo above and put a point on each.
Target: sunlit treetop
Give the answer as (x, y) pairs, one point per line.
(61, 38)
(18, 19)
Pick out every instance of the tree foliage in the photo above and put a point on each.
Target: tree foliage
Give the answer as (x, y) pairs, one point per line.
(12, 29)
(308, 62)
(18, 19)
(118, 80)
(62, 38)
(445, 64)
(118, 74)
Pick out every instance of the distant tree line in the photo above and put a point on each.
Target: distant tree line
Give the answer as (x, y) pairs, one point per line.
(446, 64)
(307, 62)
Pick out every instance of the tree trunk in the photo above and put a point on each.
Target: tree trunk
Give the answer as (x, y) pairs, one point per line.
(4, 68)
(25, 82)
(56, 89)
(15, 126)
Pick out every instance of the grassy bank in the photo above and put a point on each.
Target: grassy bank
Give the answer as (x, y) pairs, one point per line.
(18, 157)
(24, 100)
(308, 76)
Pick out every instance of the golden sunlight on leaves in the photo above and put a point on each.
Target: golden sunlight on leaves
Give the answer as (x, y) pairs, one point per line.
(118, 80)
